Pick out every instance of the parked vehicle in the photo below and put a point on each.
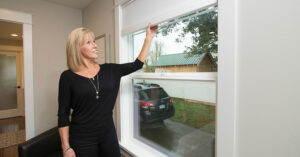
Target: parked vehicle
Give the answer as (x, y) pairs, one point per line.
(154, 103)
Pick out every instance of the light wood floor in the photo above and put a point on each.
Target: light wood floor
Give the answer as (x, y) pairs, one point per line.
(7, 126)
(9, 151)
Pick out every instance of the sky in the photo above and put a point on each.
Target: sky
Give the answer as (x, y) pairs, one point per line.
(170, 46)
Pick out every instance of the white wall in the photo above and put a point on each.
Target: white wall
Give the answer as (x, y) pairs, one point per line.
(51, 25)
(268, 78)
(98, 16)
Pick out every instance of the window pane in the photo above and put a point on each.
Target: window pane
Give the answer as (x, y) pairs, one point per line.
(185, 44)
(8, 82)
(176, 117)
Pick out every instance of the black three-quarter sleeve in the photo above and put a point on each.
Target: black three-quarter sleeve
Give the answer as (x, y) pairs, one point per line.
(64, 101)
(128, 68)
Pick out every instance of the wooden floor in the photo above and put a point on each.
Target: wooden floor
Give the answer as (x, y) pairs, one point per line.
(12, 124)
(9, 152)
(8, 126)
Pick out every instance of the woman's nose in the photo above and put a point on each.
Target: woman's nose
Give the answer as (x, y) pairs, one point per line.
(95, 45)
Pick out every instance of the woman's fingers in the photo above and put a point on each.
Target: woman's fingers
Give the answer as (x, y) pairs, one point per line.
(154, 27)
(151, 30)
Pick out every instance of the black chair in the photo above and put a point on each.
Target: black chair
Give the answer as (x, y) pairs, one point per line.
(46, 144)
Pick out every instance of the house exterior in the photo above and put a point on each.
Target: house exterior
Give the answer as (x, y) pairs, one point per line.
(181, 63)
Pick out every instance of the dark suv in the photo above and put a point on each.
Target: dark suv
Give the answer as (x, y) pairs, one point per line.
(154, 103)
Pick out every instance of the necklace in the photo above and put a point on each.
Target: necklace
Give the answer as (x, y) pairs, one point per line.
(97, 89)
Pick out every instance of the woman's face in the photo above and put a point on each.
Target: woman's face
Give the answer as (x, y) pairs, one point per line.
(89, 48)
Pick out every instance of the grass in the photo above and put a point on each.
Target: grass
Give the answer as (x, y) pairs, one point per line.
(195, 115)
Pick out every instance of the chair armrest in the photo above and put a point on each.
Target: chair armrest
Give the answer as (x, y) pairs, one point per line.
(42, 145)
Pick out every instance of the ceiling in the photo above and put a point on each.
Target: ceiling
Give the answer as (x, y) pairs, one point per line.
(79, 4)
(8, 28)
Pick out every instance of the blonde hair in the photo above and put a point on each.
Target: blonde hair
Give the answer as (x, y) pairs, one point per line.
(74, 42)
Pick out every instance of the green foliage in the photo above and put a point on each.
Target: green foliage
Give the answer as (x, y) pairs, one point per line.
(148, 68)
(195, 115)
(204, 30)
(153, 56)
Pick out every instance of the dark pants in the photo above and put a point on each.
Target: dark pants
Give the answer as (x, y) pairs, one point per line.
(96, 147)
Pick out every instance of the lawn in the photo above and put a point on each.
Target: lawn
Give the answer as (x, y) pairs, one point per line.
(195, 115)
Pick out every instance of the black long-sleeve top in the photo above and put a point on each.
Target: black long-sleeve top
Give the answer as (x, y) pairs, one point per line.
(91, 117)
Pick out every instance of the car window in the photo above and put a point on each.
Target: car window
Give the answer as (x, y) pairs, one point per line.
(142, 95)
(153, 93)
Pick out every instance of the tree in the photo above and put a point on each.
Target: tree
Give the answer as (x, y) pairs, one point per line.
(204, 30)
(153, 56)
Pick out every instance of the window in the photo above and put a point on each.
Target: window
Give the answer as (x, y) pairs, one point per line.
(185, 44)
(174, 95)
(177, 117)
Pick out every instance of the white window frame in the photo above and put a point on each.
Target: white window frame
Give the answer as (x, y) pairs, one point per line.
(226, 133)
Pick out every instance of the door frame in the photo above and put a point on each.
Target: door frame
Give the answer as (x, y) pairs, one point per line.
(26, 20)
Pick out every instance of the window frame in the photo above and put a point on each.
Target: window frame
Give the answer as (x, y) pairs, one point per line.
(226, 135)
(128, 140)
(126, 95)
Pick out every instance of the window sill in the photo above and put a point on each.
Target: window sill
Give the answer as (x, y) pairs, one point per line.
(138, 148)
(125, 152)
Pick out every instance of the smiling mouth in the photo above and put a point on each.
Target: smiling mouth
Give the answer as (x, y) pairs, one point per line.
(96, 51)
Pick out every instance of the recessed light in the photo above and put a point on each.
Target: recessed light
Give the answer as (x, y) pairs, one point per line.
(14, 35)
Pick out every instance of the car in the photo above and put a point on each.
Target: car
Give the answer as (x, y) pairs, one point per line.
(153, 102)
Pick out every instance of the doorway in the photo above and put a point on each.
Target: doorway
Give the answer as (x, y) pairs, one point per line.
(25, 20)
(12, 120)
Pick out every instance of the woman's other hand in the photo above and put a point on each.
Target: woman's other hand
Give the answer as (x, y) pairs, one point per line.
(151, 31)
(69, 153)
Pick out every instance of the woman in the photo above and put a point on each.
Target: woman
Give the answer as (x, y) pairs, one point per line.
(90, 90)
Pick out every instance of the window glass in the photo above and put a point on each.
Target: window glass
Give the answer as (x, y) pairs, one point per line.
(185, 44)
(176, 117)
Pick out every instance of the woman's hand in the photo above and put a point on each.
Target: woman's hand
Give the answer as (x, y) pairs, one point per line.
(151, 31)
(69, 153)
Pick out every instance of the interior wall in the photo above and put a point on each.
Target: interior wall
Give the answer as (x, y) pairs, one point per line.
(51, 24)
(98, 16)
(268, 77)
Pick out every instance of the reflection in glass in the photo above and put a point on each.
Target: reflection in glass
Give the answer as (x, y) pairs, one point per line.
(8, 81)
(176, 117)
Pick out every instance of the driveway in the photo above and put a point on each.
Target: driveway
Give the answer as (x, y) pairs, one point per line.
(176, 139)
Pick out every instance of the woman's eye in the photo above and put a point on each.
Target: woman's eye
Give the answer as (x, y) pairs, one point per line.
(88, 42)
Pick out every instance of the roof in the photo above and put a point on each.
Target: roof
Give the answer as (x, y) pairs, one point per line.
(177, 59)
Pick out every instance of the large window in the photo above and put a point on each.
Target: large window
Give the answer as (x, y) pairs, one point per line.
(174, 95)
(177, 117)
